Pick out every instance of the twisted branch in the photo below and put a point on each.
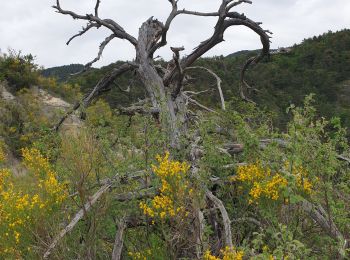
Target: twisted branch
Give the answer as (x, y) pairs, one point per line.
(218, 81)
(100, 87)
(99, 54)
(226, 220)
(84, 30)
(108, 23)
(226, 19)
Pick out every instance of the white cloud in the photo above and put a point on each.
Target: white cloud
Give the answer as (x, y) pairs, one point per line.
(33, 26)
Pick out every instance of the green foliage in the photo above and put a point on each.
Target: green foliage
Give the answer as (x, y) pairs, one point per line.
(22, 123)
(18, 70)
(29, 204)
(318, 65)
(109, 145)
(306, 155)
(68, 92)
(263, 184)
(283, 245)
(62, 73)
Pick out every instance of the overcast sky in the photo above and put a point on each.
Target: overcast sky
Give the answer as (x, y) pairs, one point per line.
(33, 26)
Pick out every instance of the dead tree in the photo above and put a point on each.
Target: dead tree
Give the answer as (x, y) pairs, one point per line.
(165, 85)
(165, 88)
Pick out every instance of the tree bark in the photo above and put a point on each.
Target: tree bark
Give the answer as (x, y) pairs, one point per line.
(118, 243)
(172, 110)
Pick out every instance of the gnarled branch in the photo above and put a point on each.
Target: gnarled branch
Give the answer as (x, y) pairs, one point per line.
(218, 80)
(180, 79)
(106, 81)
(226, 19)
(233, 4)
(84, 30)
(319, 215)
(133, 110)
(118, 31)
(77, 218)
(99, 54)
(166, 27)
(108, 184)
(97, 22)
(118, 243)
(102, 85)
(225, 218)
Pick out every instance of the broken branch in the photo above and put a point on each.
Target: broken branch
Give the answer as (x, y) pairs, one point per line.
(199, 104)
(84, 30)
(76, 218)
(218, 80)
(99, 55)
(108, 23)
(225, 218)
(118, 243)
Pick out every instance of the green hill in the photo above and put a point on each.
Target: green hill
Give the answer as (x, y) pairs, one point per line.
(62, 73)
(319, 65)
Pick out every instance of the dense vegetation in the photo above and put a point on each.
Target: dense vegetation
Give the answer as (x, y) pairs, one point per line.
(286, 193)
(318, 65)
(62, 73)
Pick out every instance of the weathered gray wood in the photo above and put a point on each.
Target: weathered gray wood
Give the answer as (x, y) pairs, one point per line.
(118, 243)
(165, 86)
(76, 219)
(218, 80)
(225, 218)
(320, 216)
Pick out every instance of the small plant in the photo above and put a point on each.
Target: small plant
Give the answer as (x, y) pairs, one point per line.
(175, 190)
(25, 207)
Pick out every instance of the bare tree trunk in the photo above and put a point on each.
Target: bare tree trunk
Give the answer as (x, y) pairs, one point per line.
(118, 243)
(172, 110)
(165, 88)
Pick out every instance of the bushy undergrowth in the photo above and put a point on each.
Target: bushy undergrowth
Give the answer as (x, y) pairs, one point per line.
(262, 188)
(27, 205)
(162, 193)
(25, 119)
(18, 70)
(21, 72)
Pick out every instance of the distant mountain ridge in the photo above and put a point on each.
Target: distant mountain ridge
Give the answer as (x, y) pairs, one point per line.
(319, 65)
(62, 72)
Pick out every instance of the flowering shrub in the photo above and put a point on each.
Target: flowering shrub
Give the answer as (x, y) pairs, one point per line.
(227, 253)
(301, 178)
(18, 70)
(23, 208)
(46, 177)
(174, 190)
(263, 183)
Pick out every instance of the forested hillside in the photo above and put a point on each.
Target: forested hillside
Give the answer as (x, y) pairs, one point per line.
(319, 65)
(62, 73)
(260, 181)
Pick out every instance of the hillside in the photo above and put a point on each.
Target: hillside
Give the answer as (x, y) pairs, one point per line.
(245, 182)
(319, 65)
(62, 73)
